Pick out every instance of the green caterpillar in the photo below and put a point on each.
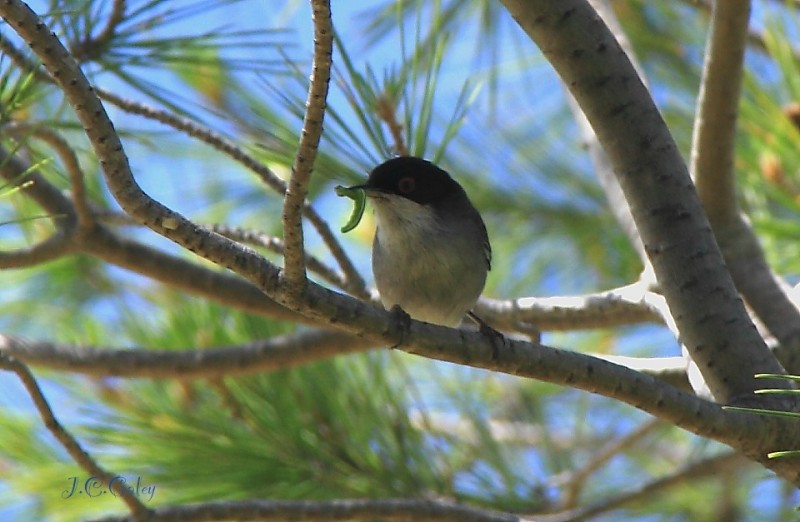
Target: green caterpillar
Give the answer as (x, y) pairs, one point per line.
(356, 194)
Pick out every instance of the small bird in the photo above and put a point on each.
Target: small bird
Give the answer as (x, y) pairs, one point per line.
(431, 251)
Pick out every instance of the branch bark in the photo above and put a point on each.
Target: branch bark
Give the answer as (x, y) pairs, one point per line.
(602, 164)
(712, 167)
(324, 511)
(276, 353)
(619, 306)
(294, 265)
(701, 295)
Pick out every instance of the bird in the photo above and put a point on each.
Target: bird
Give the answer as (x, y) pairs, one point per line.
(431, 252)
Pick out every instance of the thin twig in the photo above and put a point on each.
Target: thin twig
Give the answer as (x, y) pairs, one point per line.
(18, 173)
(73, 447)
(387, 111)
(58, 245)
(91, 48)
(59, 210)
(723, 463)
(294, 266)
(577, 479)
(70, 161)
(21, 60)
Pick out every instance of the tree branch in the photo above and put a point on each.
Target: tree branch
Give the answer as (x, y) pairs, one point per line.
(60, 210)
(142, 259)
(576, 479)
(256, 238)
(276, 353)
(712, 167)
(92, 48)
(54, 247)
(79, 202)
(294, 265)
(177, 272)
(711, 318)
(724, 463)
(620, 306)
(714, 138)
(755, 38)
(324, 511)
(47, 196)
(602, 164)
(69, 443)
(355, 283)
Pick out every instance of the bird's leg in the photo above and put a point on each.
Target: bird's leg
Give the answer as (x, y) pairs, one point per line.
(496, 338)
(401, 323)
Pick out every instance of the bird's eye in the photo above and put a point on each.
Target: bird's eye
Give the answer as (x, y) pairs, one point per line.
(406, 185)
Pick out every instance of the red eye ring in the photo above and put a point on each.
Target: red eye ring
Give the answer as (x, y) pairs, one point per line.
(406, 185)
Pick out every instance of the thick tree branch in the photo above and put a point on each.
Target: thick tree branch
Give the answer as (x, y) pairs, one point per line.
(714, 138)
(620, 306)
(64, 438)
(276, 353)
(671, 370)
(177, 272)
(294, 264)
(257, 357)
(712, 167)
(767, 294)
(324, 511)
(602, 165)
(711, 318)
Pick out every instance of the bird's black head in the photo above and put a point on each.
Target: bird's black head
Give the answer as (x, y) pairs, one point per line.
(413, 178)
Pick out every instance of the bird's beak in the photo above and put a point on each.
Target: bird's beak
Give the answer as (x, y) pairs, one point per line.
(369, 191)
